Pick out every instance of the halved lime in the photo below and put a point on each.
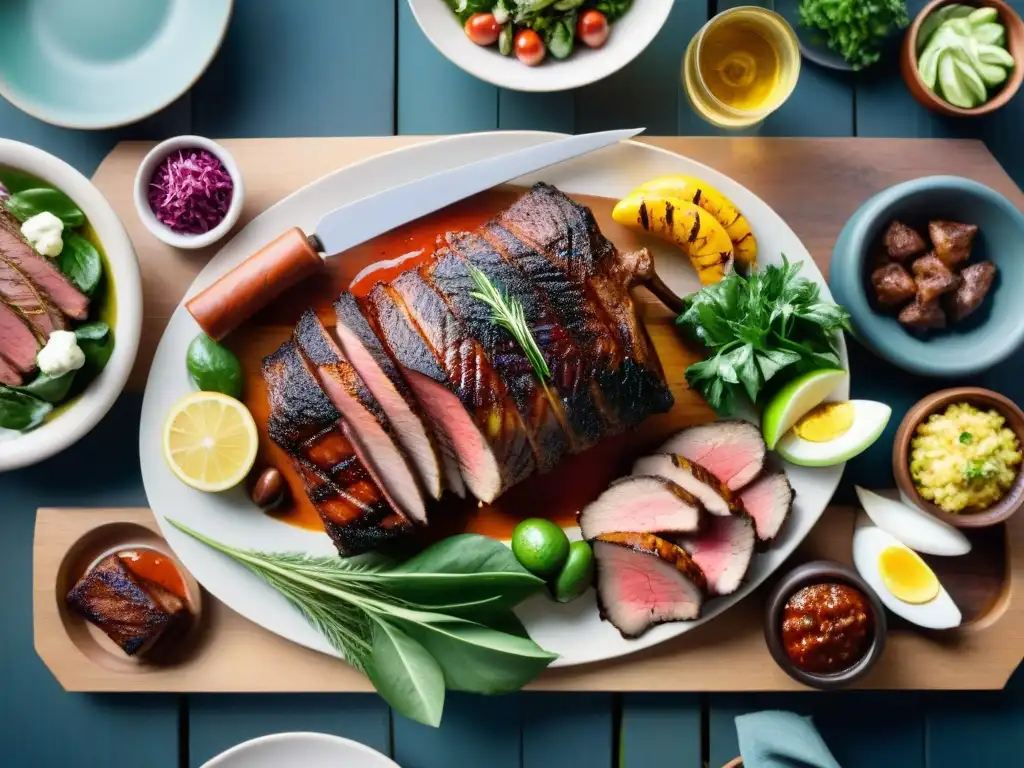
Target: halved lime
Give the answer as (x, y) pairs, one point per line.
(795, 400)
(576, 575)
(540, 546)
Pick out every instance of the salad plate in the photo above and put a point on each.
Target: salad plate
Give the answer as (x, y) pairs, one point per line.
(574, 631)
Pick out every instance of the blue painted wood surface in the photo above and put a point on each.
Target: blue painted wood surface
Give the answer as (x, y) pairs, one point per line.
(362, 67)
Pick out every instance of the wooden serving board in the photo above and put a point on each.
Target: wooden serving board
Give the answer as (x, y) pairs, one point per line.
(230, 654)
(815, 185)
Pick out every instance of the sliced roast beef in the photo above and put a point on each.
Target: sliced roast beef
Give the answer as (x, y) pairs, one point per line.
(17, 342)
(539, 405)
(16, 251)
(572, 372)
(647, 504)
(768, 500)
(363, 349)
(643, 580)
(709, 490)
(733, 451)
(29, 301)
(307, 426)
(723, 550)
(455, 383)
(9, 374)
(375, 443)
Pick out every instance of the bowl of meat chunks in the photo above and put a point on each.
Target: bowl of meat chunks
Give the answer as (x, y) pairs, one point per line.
(928, 270)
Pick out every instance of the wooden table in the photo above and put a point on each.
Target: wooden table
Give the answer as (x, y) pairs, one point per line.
(345, 67)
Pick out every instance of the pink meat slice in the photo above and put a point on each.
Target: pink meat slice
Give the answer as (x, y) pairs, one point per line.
(733, 451)
(374, 441)
(723, 550)
(642, 504)
(17, 342)
(768, 501)
(690, 476)
(29, 301)
(8, 374)
(364, 350)
(643, 580)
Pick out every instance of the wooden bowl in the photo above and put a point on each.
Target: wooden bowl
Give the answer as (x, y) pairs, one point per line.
(928, 98)
(821, 572)
(938, 401)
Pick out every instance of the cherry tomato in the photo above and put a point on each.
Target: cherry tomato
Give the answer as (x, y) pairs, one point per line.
(593, 29)
(483, 28)
(530, 48)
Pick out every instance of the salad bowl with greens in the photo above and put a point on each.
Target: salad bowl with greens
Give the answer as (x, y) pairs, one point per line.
(70, 305)
(540, 45)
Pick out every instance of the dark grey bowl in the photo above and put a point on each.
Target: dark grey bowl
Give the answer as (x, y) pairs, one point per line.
(821, 572)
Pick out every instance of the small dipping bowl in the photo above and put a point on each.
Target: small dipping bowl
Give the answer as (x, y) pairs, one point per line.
(145, 175)
(810, 574)
(982, 399)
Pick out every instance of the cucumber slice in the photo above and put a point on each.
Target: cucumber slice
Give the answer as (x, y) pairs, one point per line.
(991, 75)
(961, 27)
(928, 67)
(931, 25)
(951, 82)
(993, 54)
(983, 16)
(960, 11)
(990, 34)
(972, 81)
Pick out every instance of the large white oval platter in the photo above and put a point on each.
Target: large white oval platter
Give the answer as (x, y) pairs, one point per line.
(574, 631)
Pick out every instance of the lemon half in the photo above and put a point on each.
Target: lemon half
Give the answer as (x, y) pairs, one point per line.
(210, 441)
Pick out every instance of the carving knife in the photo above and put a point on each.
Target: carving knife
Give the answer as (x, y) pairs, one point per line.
(293, 256)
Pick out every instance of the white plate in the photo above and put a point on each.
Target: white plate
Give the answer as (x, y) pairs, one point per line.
(300, 750)
(574, 631)
(630, 35)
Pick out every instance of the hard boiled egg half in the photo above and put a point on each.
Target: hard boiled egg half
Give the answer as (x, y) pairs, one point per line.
(904, 582)
(834, 432)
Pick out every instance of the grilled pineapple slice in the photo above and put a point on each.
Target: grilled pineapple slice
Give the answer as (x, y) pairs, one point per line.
(704, 241)
(714, 202)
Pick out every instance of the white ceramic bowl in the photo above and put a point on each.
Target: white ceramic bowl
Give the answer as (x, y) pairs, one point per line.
(20, 450)
(145, 174)
(310, 750)
(630, 35)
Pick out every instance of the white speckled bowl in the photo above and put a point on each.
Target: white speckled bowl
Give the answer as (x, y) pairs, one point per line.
(20, 450)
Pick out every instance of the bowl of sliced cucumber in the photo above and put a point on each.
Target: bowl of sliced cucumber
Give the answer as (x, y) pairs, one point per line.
(964, 59)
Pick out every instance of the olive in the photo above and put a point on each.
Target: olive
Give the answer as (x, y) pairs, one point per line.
(576, 575)
(269, 489)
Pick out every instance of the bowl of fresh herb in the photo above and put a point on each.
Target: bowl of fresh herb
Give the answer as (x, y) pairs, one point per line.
(844, 34)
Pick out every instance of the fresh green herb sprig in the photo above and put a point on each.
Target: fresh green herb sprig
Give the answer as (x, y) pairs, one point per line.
(855, 29)
(442, 619)
(508, 313)
(766, 325)
(977, 469)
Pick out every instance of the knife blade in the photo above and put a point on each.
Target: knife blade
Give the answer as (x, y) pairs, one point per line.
(254, 283)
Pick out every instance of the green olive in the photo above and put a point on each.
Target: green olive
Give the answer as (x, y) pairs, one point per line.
(540, 546)
(576, 575)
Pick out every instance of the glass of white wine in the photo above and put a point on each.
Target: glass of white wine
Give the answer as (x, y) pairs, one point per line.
(741, 67)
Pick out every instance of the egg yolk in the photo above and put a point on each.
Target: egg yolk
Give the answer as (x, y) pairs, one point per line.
(825, 423)
(907, 576)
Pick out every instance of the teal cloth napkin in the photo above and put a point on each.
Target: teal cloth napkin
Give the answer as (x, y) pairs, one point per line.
(776, 739)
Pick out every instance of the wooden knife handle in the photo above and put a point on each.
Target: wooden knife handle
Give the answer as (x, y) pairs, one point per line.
(254, 283)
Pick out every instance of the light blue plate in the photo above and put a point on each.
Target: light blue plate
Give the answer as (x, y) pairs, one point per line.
(105, 63)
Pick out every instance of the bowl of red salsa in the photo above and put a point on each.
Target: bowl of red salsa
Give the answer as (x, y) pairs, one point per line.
(824, 625)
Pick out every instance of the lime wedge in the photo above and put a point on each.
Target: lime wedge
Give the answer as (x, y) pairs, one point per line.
(795, 400)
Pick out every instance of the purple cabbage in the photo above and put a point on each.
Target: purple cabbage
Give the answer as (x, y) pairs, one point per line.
(191, 191)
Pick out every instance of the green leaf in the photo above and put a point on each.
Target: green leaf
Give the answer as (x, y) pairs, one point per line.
(476, 658)
(30, 202)
(213, 367)
(50, 390)
(97, 344)
(405, 674)
(21, 411)
(81, 262)
(771, 361)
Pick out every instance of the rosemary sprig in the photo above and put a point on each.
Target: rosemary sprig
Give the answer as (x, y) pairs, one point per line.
(508, 313)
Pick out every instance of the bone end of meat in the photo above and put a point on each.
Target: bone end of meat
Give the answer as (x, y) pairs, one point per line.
(693, 478)
(643, 580)
(893, 285)
(975, 283)
(648, 504)
(769, 502)
(952, 241)
(723, 551)
(732, 450)
(933, 277)
(135, 613)
(901, 242)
